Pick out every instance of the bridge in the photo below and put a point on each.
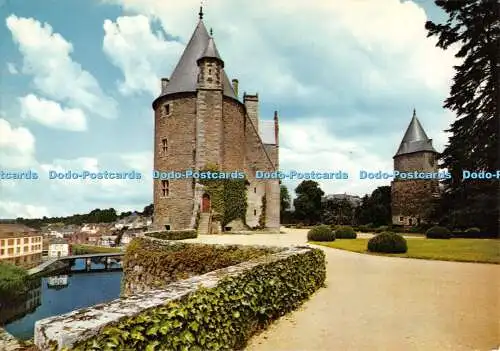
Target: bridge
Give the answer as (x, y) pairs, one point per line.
(87, 257)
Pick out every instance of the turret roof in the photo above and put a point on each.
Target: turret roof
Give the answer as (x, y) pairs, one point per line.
(415, 139)
(185, 75)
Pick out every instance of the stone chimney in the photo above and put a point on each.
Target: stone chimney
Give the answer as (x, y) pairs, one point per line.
(252, 106)
(235, 86)
(164, 83)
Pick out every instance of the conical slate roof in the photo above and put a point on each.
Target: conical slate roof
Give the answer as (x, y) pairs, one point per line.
(211, 51)
(185, 75)
(415, 139)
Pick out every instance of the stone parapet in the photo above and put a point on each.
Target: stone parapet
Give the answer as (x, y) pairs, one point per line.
(68, 329)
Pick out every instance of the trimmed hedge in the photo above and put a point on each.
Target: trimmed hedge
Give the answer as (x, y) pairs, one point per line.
(438, 233)
(381, 229)
(173, 234)
(345, 232)
(387, 242)
(163, 263)
(223, 317)
(321, 233)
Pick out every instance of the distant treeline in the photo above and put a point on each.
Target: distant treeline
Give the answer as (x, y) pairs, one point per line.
(95, 216)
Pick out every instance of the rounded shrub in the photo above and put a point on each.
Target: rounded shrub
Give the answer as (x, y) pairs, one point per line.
(473, 230)
(345, 232)
(387, 242)
(438, 233)
(321, 233)
(381, 229)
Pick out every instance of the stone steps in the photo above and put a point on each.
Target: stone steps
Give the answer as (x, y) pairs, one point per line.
(204, 224)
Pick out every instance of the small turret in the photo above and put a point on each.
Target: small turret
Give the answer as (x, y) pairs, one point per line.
(211, 66)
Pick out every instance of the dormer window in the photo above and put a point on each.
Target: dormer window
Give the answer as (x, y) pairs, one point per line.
(166, 109)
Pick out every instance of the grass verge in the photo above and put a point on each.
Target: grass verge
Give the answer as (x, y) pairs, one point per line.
(460, 250)
(78, 249)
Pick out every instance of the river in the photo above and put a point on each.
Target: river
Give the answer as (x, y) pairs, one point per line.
(58, 294)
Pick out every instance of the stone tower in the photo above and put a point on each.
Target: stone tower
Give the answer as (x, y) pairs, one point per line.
(411, 198)
(200, 121)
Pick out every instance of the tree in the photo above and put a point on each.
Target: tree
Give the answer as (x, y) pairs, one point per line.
(474, 96)
(376, 208)
(337, 211)
(148, 210)
(308, 202)
(285, 201)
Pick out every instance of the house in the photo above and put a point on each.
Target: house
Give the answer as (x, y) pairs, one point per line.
(58, 248)
(20, 245)
(107, 240)
(90, 228)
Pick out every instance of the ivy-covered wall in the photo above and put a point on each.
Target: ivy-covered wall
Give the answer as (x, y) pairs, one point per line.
(151, 264)
(220, 310)
(228, 197)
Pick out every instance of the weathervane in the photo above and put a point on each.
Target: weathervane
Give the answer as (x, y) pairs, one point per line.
(201, 9)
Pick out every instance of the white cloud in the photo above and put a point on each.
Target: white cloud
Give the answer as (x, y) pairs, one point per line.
(310, 148)
(46, 56)
(17, 146)
(69, 196)
(13, 210)
(12, 68)
(330, 48)
(141, 55)
(52, 114)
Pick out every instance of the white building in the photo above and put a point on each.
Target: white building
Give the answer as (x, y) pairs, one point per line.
(58, 248)
(58, 281)
(107, 240)
(90, 228)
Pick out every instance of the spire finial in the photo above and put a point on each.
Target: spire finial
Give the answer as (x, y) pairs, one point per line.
(211, 32)
(201, 12)
(414, 112)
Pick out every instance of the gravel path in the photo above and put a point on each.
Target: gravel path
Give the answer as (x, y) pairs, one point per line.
(384, 303)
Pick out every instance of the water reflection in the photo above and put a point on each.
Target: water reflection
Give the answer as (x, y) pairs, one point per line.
(69, 289)
(20, 305)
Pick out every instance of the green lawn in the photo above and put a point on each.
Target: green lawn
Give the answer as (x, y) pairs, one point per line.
(91, 249)
(463, 250)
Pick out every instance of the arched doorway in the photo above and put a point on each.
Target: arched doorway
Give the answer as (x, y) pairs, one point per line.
(205, 203)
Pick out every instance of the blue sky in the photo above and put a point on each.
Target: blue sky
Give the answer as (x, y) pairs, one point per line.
(77, 80)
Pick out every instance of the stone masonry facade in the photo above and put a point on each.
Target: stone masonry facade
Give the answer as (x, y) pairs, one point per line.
(411, 199)
(209, 125)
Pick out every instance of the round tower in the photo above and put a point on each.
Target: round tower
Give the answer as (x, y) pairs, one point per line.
(411, 199)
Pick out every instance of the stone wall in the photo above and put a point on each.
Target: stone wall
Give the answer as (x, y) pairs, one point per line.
(411, 200)
(234, 135)
(68, 329)
(179, 157)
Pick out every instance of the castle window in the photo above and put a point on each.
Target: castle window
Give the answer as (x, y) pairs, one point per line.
(255, 212)
(167, 109)
(167, 226)
(164, 188)
(255, 190)
(164, 145)
(194, 155)
(401, 219)
(209, 71)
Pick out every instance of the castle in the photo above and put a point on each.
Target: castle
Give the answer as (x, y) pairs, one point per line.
(411, 199)
(200, 121)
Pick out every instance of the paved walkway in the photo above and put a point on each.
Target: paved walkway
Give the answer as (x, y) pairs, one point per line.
(384, 303)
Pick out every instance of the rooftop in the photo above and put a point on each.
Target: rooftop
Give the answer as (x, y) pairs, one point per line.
(185, 75)
(17, 231)
(415, 139)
